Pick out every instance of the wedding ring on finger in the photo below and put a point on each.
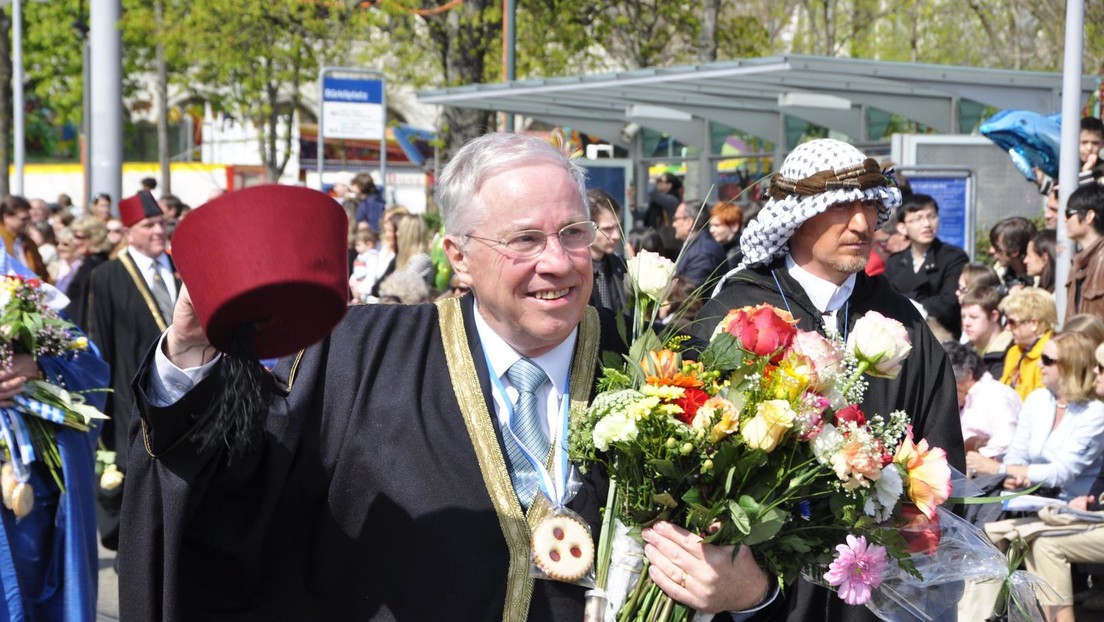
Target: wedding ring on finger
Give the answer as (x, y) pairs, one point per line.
(973, 473)
(682, 579)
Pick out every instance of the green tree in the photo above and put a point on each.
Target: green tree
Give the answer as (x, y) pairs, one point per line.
(253, 58)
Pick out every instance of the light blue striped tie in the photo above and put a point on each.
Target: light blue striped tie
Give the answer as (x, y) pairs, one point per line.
(527, 377)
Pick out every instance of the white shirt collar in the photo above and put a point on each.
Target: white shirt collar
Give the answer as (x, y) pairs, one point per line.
(500, 355)
(825, 295)
(144, 262)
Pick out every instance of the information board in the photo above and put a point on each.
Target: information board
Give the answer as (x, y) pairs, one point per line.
(352, 108)
(952, 194)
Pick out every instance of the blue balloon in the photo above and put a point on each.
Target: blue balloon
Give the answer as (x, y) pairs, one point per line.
(1031, 139)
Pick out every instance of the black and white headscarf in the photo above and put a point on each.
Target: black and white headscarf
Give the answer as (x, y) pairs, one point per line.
(768, 235)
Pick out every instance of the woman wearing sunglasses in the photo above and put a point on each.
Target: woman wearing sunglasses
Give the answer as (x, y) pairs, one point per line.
(1060, 432)
(1030, 315)
(1050, 557)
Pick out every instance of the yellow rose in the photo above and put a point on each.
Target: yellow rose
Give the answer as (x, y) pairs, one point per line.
(772, 420)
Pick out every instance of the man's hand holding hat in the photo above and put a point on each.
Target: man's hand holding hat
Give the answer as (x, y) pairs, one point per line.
(186, 344)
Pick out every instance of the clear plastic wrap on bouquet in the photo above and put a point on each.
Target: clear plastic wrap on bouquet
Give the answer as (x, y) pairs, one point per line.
(947, 552)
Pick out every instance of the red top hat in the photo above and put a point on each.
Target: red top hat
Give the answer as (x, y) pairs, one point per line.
(270, 256)
(137, 208)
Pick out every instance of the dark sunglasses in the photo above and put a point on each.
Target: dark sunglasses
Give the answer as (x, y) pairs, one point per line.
(1070, 213)
(1047, 361)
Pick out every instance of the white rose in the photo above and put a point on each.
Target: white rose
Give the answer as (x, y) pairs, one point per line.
(652, 273)
(616, 427)
(880, 342)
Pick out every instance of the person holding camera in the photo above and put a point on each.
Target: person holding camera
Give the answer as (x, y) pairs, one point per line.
(1008, 245)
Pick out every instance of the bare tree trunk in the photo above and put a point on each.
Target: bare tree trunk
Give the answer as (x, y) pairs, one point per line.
(272, 123)
(465, 41)
(163, 156)
(708, 42)
(5, 102)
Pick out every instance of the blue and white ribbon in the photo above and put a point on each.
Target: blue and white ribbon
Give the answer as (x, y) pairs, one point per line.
(40, 409)
(19, 443)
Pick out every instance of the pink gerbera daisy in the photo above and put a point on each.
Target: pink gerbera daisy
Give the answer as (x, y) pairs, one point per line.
(857, 570)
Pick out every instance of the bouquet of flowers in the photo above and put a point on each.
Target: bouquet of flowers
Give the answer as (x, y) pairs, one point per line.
(760, 442)
(28, 325)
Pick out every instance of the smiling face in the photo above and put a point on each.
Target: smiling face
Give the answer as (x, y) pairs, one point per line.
(533, 303)
(147, 236)
(836, 243)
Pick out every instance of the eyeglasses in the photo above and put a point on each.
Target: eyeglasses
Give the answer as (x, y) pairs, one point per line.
(1070, 213)
(531, 242)
(1047, 361)
(922, 218)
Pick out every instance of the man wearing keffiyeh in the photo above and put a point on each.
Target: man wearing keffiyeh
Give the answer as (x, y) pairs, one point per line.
(805, 252)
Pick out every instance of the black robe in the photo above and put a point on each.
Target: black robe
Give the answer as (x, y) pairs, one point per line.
(366, 501)
(79, 289)
(925, 388)
(123, 322)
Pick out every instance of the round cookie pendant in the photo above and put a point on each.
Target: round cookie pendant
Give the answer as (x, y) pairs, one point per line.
(562, 547)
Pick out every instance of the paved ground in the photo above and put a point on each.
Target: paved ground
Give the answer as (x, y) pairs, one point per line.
(107, 609)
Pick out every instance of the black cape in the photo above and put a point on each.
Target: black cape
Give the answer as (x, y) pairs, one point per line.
(123, 322)
(925, 389)
(366, 501)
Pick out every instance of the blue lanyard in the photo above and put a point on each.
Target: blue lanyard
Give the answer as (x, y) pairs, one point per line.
(553, 485)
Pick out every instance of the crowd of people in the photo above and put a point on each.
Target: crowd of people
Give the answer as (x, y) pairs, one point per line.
(519, 253)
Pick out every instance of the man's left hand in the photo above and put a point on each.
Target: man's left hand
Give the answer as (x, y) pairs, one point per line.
(703, 576)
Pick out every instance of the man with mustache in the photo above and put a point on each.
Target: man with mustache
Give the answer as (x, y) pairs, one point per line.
(806, 252)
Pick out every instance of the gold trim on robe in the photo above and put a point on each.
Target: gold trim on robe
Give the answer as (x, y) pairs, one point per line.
(492, 464)
(143, 289)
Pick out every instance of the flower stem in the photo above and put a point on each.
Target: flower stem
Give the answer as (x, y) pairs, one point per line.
(605, 538)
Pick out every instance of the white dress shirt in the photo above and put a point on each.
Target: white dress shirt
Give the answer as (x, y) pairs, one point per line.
(825, 295)
(145, 266)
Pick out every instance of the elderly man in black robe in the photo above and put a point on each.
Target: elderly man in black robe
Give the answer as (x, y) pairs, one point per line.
(391, 482)
(805, 252)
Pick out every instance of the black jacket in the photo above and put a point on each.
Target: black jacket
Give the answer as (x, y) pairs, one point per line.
(934, 285)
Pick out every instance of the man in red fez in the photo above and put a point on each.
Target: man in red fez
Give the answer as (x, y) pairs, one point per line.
(387, 484)
(130, 305)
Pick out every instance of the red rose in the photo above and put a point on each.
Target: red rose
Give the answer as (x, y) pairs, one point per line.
(921, 533)
(851, 413)
(762, 330)
(690, 402)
